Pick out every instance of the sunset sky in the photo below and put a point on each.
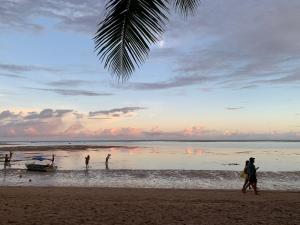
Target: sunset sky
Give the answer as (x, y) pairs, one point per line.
(230, 72)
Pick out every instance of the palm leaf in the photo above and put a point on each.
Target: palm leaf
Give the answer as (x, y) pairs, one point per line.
(186, 6)
(123, 38)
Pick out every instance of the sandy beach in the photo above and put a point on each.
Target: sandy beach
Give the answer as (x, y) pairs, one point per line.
(71, 205)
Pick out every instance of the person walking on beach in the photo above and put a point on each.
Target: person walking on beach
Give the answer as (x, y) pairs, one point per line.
(87, 161)
(251, 170)
(245, 175)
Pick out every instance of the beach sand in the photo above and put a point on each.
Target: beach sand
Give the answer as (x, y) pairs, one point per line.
(72, 205)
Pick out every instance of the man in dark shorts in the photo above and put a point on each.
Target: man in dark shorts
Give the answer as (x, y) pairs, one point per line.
(252, 175)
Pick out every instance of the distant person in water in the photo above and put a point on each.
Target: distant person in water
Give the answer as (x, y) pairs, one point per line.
(52, 160)
(106, 161)
(10, 155)
(6, 161)
(87, 161)
(251, 170)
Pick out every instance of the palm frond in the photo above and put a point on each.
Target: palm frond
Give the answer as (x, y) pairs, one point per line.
(123, 37)
(186, 7)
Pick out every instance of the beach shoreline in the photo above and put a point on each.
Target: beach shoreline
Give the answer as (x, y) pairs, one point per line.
(94, 205)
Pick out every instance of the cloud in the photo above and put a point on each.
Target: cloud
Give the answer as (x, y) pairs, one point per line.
(254, 42)
(68, 83)
(72, 92)
(176, 82)
(11, 75)
(254, 46)
(47, 113)
(32, 124)
(59, 123)
(14, 68)
(7, 115)
(62, 124)
(75, 15)
(234, 108)
(117, 112)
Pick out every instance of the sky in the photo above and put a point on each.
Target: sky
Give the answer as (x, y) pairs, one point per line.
(231, 71)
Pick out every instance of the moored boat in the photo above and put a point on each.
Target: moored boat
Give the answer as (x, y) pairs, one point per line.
(41, 167)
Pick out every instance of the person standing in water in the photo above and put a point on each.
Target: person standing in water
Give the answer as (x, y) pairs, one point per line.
(10, 155)
(106, 161)
(87, 161)
(52, 160)
(6, 161)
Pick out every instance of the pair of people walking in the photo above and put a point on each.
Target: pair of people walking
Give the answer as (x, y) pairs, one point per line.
(250, 176)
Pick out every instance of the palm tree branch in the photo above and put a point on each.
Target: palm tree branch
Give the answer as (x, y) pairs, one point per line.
(130, 26)
(186, 7)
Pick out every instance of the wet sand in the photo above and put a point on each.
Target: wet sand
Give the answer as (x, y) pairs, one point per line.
(71, 205)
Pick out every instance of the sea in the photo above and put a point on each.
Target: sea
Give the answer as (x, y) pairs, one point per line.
(155, 164)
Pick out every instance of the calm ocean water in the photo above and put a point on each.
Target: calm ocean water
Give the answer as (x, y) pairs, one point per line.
(159, 164)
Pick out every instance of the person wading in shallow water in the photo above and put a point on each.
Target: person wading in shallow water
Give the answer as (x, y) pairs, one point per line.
(106, 161)
(252, 175)
(87, 161)
(52, 160)
(6, 159)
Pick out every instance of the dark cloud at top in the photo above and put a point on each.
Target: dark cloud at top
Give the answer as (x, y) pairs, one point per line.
(117, 112)
(231, 44)
(76, 15)
(250, 41)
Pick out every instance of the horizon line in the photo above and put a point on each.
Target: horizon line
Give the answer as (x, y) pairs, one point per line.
(157, 140)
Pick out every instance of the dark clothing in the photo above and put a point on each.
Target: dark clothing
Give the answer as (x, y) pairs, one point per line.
(246, 170)
(252, 179)
(251, 170)
(252, 173)
(87, 160)
(6, 160)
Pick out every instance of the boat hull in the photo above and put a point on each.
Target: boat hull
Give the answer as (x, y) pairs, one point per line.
(41, 168)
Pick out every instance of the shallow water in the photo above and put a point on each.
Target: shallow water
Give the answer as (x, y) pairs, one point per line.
(161, 165)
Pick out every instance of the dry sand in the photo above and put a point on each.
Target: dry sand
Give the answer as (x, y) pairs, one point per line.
(69, 205)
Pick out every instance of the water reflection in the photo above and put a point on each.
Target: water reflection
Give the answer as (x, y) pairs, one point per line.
(168, 155)
(191, 151)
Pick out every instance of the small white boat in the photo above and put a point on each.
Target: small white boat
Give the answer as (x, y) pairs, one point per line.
(41, 167)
